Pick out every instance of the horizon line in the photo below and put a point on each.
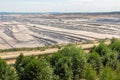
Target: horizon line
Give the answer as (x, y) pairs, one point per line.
(61, 12)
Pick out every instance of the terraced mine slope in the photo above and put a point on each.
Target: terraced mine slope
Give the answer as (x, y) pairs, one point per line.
(32, 30)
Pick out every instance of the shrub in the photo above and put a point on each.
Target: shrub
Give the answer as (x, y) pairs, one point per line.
(38, 70)
(90, 73)
(6, 72)
(21, 63)
(101, 49)
(108, 56)
(107, 74)
(115, 46)
(95, 60)
(77, 58)
(63, 68)
(18, 61)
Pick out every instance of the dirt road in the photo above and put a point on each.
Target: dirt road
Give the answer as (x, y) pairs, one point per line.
(10, 57)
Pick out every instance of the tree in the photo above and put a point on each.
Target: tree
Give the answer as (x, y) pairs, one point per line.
(38, 70)
(76, 56)
(95, 60)
(110, 59)
(101, 49)
(108, 56)
(115, 46)
(6, 72)
(107, 73)
(117, 70)
(44, 57)
(63, 68)
(21, 63)
(90, 73)
(78, 67)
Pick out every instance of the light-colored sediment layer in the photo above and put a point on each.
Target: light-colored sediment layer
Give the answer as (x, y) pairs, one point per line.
(79, 32)
(42, 30)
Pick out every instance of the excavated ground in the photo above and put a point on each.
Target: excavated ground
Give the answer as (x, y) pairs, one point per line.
(32, 30)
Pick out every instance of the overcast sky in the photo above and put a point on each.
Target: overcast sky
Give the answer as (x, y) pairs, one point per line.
(59, 5)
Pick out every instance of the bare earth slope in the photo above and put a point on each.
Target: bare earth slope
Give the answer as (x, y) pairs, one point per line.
(32, 30)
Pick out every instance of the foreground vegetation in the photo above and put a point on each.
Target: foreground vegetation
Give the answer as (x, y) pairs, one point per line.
(69, 63)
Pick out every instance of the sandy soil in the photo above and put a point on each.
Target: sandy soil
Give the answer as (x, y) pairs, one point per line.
(10, 57)
(18, 30)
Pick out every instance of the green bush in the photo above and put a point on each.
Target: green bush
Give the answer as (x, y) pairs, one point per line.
(90, 73)
(107, 73)
(95, 60)
(6, 72)
(117, 70)
(38, 70)
(115, 46)
(102, 49)
(77, 57)
(110, 59)
(63, 68)
(108, 56)
(21, 63)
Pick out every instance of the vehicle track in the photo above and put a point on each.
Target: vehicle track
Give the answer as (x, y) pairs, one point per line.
(10, 57)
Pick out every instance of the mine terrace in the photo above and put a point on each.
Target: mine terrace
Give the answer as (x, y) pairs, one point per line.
(32, 30)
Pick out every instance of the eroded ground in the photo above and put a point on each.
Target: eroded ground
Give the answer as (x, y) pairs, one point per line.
(32, 30)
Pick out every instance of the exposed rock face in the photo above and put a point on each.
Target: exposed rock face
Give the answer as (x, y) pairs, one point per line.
(20, 30)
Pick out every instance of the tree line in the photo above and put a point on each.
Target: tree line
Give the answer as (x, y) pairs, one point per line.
(69, 63)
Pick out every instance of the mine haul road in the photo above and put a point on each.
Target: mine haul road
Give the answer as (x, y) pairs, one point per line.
(10, 57)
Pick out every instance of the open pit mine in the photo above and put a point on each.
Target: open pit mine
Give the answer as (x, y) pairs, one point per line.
(33, 30)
